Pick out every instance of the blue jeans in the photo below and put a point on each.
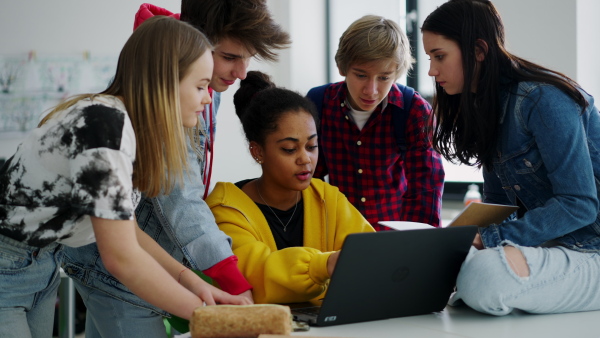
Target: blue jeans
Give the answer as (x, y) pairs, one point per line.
(560, 280)
(29, 279)
(111, 317)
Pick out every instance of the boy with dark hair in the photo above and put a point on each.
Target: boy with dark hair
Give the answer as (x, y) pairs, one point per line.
(243, 21)
(374, 142)
(181, 222)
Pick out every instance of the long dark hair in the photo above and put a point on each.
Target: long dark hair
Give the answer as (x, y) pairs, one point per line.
(467, 125)
(260, 105)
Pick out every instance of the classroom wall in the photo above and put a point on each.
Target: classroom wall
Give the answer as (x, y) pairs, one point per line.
(64, 27)
(561, 35)
(588, 46)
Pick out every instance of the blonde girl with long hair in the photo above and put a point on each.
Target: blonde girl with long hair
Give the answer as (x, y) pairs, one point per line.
(72, 181)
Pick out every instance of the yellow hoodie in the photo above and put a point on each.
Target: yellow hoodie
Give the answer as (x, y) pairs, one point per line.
(294, 274)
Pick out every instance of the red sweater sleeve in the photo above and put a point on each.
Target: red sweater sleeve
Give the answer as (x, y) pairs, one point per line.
(228, 275)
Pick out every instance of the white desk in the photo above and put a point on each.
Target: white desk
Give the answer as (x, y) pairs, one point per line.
(466, 323)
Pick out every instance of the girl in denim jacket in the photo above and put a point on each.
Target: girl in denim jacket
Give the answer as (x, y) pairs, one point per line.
(529, 128)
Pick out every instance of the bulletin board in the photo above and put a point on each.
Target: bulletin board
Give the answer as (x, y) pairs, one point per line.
(31, 84)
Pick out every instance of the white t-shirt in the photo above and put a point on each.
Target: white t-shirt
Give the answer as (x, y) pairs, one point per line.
(360, 117)
(78, 164)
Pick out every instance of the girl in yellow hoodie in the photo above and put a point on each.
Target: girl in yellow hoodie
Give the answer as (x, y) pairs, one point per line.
(287, 227)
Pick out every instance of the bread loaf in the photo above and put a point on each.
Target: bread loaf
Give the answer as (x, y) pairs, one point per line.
(240, 321)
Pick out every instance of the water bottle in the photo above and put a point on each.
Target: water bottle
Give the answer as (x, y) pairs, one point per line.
(472, 194)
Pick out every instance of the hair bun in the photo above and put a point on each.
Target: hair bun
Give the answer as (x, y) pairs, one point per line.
(257, 79)
(254, 83)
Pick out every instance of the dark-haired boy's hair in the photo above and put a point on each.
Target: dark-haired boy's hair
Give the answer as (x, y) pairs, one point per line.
(248, 22)
(260, 105)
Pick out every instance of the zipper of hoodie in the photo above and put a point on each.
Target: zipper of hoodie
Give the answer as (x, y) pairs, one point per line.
(236, 209)
(325, 225)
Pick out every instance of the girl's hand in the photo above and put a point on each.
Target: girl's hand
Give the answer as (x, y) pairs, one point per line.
(477, 242)
(248, 295)
(332, 261)
(222, 297)
(210, 294)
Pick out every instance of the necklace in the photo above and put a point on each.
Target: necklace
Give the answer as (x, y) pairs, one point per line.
(268, 206)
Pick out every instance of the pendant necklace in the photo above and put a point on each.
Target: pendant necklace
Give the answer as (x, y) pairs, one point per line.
(268, 206)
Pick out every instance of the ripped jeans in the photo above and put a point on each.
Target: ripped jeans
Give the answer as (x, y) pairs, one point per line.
(560, 280)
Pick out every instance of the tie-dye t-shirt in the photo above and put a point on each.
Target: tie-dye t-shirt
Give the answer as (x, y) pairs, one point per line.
(78, 164)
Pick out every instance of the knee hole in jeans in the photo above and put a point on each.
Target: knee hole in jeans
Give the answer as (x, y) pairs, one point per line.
(516, 261)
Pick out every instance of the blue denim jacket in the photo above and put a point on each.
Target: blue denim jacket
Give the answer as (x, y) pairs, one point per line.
(180, 222)
(548, 156)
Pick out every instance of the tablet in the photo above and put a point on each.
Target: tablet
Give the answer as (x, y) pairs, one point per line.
(483, 214)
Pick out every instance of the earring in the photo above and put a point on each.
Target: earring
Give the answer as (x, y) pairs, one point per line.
(257, 160)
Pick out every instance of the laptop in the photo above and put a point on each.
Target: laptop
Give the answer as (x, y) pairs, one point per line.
(391, 274)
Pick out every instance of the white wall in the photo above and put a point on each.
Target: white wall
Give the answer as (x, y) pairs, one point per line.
(588, 46)
(66, 26)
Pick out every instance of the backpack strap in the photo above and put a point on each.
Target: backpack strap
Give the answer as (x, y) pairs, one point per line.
(317, 95)
(399, 115)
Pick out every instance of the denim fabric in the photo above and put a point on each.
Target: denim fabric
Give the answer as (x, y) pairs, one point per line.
(108, 320)
(84, 266)
(548, 157)
(181, 222)
(29, 279)
(560, 280)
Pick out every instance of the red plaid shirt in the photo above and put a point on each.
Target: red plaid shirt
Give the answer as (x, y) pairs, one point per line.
(368, 167)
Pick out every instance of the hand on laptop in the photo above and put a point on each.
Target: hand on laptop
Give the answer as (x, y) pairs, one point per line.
(332, 261)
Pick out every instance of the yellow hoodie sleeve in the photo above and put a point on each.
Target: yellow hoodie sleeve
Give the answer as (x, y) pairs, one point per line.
(295, 274)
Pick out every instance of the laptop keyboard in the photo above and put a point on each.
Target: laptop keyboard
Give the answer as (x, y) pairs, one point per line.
(312, 310)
